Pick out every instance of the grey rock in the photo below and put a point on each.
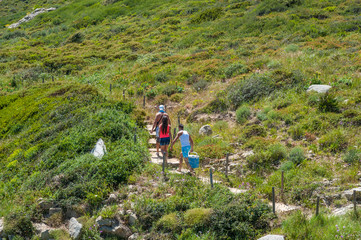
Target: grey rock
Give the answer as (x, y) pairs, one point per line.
(319, 88)
(52, 211)
(122, 231)
(2, 227)
(134, 236)
(349, 194)
(112, 198)
(205, 130)
(42, 230)
(272, 237)
(105, 221)
(30, 16)
(75, 228)
(342, 211)
(132, 218)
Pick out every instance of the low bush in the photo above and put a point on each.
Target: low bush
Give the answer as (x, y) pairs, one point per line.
(169, 223)
(171, 89)
(277, 152)
(242, 114)
(200, 85)
(235, 69)
(286, 166)
(198, 217)
(18, 224)
(254, 130)
(209, 14)
(296, 155)
(328, 103)
(297, 132)
(250, 89)
(334, 141)
(352, 156)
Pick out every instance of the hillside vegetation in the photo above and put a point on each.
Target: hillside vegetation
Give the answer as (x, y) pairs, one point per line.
(47, 133)
(241, 66)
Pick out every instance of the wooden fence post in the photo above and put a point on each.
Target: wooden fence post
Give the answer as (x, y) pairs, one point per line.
(110, 88)
(318, 206)
(282, 184)
(273, 200)
(144, 101)
(211, 177)
(354, 200)
(227, 160)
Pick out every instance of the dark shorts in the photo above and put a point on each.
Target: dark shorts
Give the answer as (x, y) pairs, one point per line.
(164, 141)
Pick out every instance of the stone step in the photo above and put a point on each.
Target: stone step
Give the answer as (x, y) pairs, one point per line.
(172, 162)
(149, 127)
(153, 134)
(151, 150)
(237, 191)
(152, 142)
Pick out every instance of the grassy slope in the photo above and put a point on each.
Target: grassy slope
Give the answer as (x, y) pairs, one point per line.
(47, 133)
(158, 45)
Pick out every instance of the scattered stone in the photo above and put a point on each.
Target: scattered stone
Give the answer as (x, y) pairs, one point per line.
(52, 211)
(132, 218)
(349, 194)
(342, 211)
(134, 236)
(30, 16)
(75, 228)
(237, 191)
(272, 237)
(319, 88)
(99, 150)
(112, 198)
(205, 130)
(248, 153)
(42, 230)
(122, 231)
(105, 221)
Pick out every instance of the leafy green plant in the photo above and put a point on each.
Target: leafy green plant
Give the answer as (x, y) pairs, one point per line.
(328, 103)
(243, 113)
(296, 155)
(200, 85)
(334, 141)
(254, 130)
(169, 223)
(352, 156)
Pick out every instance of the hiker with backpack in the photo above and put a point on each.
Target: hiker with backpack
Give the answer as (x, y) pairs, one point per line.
(187, 147)
(157, 121)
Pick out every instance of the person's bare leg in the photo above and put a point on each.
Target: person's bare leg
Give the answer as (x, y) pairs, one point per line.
(166, 153)
(157, 146)
(180, 162)
(189, 166)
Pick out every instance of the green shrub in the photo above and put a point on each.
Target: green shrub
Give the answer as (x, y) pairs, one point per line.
(172, 89)
(77, 37)
(20, 224)
(356, 121)
(178, 97)
(242, 114)
(200, 85)
(209, 14)
(168, 223)
(198, 217)
(235, 69)
(352, 156)
(250, 89)
(254, 130)
(151, 93)
(277, 152)
(297, 132)
(161, 76)
(296, 155)
(241, 219)
(350, 113)
(286, 166)
(328, 103)
(269, 6)
(333, 141)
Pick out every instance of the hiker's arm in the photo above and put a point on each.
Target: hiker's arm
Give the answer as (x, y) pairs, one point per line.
(155, 123)
(178, 135)
(191, 142)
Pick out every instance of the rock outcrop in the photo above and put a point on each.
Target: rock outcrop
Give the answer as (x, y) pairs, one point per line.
(75, 228)
(272, 237)
(205, 130)
(112, 226)
(31, 16)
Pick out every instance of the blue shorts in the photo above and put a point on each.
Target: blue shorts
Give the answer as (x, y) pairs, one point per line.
(185, 151)
(164, 141)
